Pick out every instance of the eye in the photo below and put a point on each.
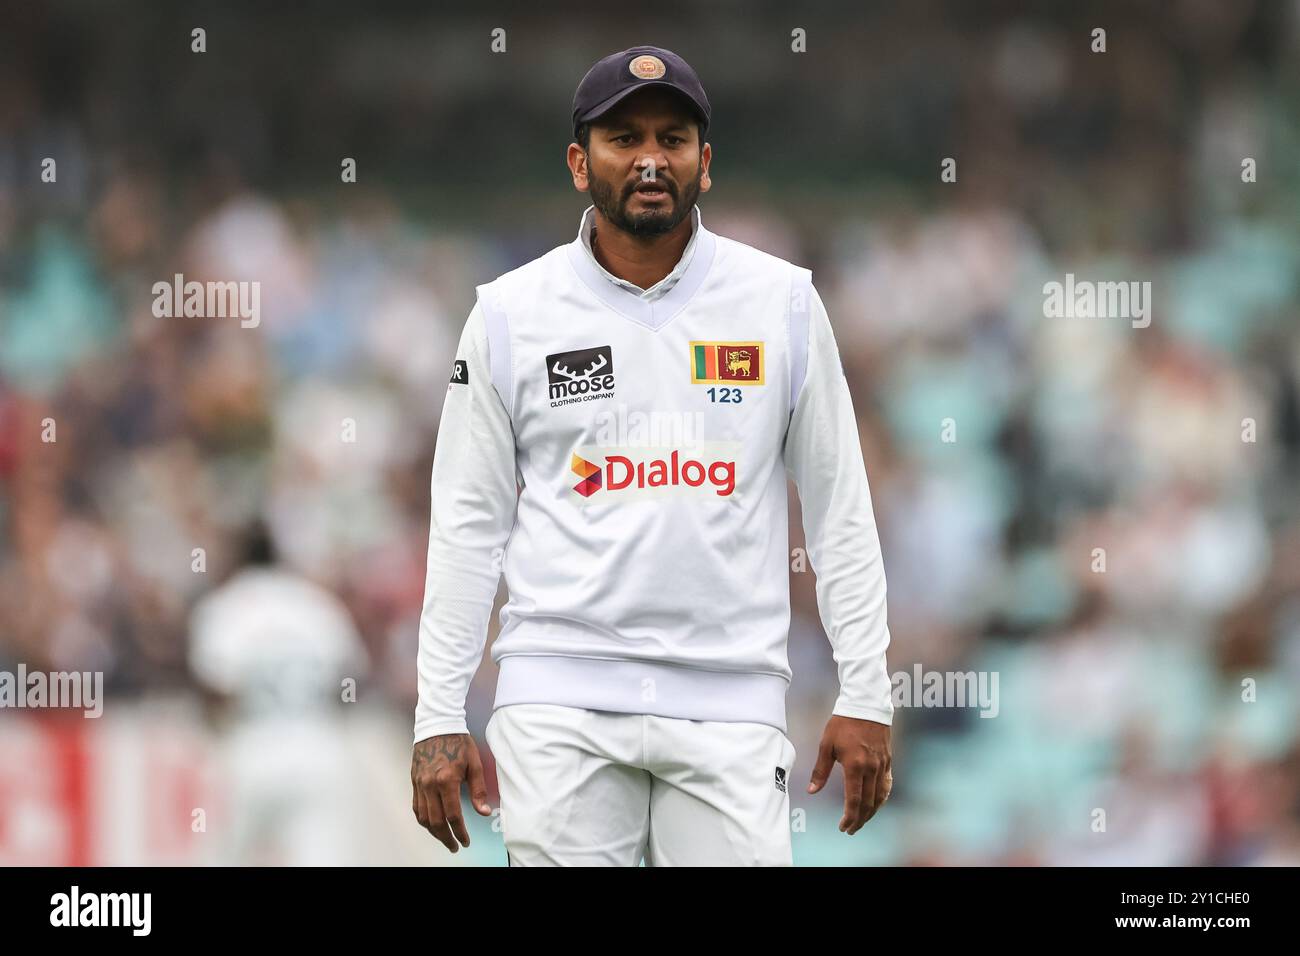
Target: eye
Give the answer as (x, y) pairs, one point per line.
(676, 140)
(625, 136)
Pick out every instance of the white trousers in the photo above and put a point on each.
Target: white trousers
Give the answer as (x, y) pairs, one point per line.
(594, 788)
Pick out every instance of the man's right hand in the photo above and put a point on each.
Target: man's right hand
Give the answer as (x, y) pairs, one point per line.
(438, 766)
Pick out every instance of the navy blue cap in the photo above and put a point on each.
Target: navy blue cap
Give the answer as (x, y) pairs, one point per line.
(619, 75)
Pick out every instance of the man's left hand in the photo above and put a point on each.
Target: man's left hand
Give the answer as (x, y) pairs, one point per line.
(862, 748)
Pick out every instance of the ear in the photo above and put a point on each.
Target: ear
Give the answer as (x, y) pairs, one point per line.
(577, 160)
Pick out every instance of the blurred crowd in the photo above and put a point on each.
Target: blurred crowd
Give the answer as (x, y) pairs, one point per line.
(1105, 516)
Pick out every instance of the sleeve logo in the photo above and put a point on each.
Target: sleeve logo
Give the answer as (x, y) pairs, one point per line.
(459, 373)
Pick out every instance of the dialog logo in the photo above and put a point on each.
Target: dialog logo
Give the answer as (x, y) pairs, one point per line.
(590, 475)
(626, 473)
(581, 375)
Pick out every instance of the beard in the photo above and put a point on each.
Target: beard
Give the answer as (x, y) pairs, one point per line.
(612, 201)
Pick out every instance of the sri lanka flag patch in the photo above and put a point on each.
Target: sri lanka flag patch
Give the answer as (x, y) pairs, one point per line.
(730, 363)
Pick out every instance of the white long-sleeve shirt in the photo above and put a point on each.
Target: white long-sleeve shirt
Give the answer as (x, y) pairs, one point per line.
(623, 458)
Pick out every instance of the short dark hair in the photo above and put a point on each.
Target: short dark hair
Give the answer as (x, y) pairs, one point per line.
(584, 134)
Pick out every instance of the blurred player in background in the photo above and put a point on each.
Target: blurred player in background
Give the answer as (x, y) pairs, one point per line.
(274, 649)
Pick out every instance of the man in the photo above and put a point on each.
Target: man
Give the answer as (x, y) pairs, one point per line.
(617, 433)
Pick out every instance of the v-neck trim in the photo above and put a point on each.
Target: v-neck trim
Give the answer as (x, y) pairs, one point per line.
(653, 315)
(587, 229)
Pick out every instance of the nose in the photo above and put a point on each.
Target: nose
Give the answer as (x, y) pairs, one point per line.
(651, 160)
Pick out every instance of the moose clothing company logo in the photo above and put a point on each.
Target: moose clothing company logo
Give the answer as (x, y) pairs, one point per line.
(581, 375)
(131, 910)
(639, 472)
(727, 363)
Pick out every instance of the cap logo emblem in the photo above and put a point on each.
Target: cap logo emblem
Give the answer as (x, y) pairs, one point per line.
(647, 66)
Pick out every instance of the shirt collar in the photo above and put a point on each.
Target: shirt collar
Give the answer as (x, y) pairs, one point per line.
(588, 225)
